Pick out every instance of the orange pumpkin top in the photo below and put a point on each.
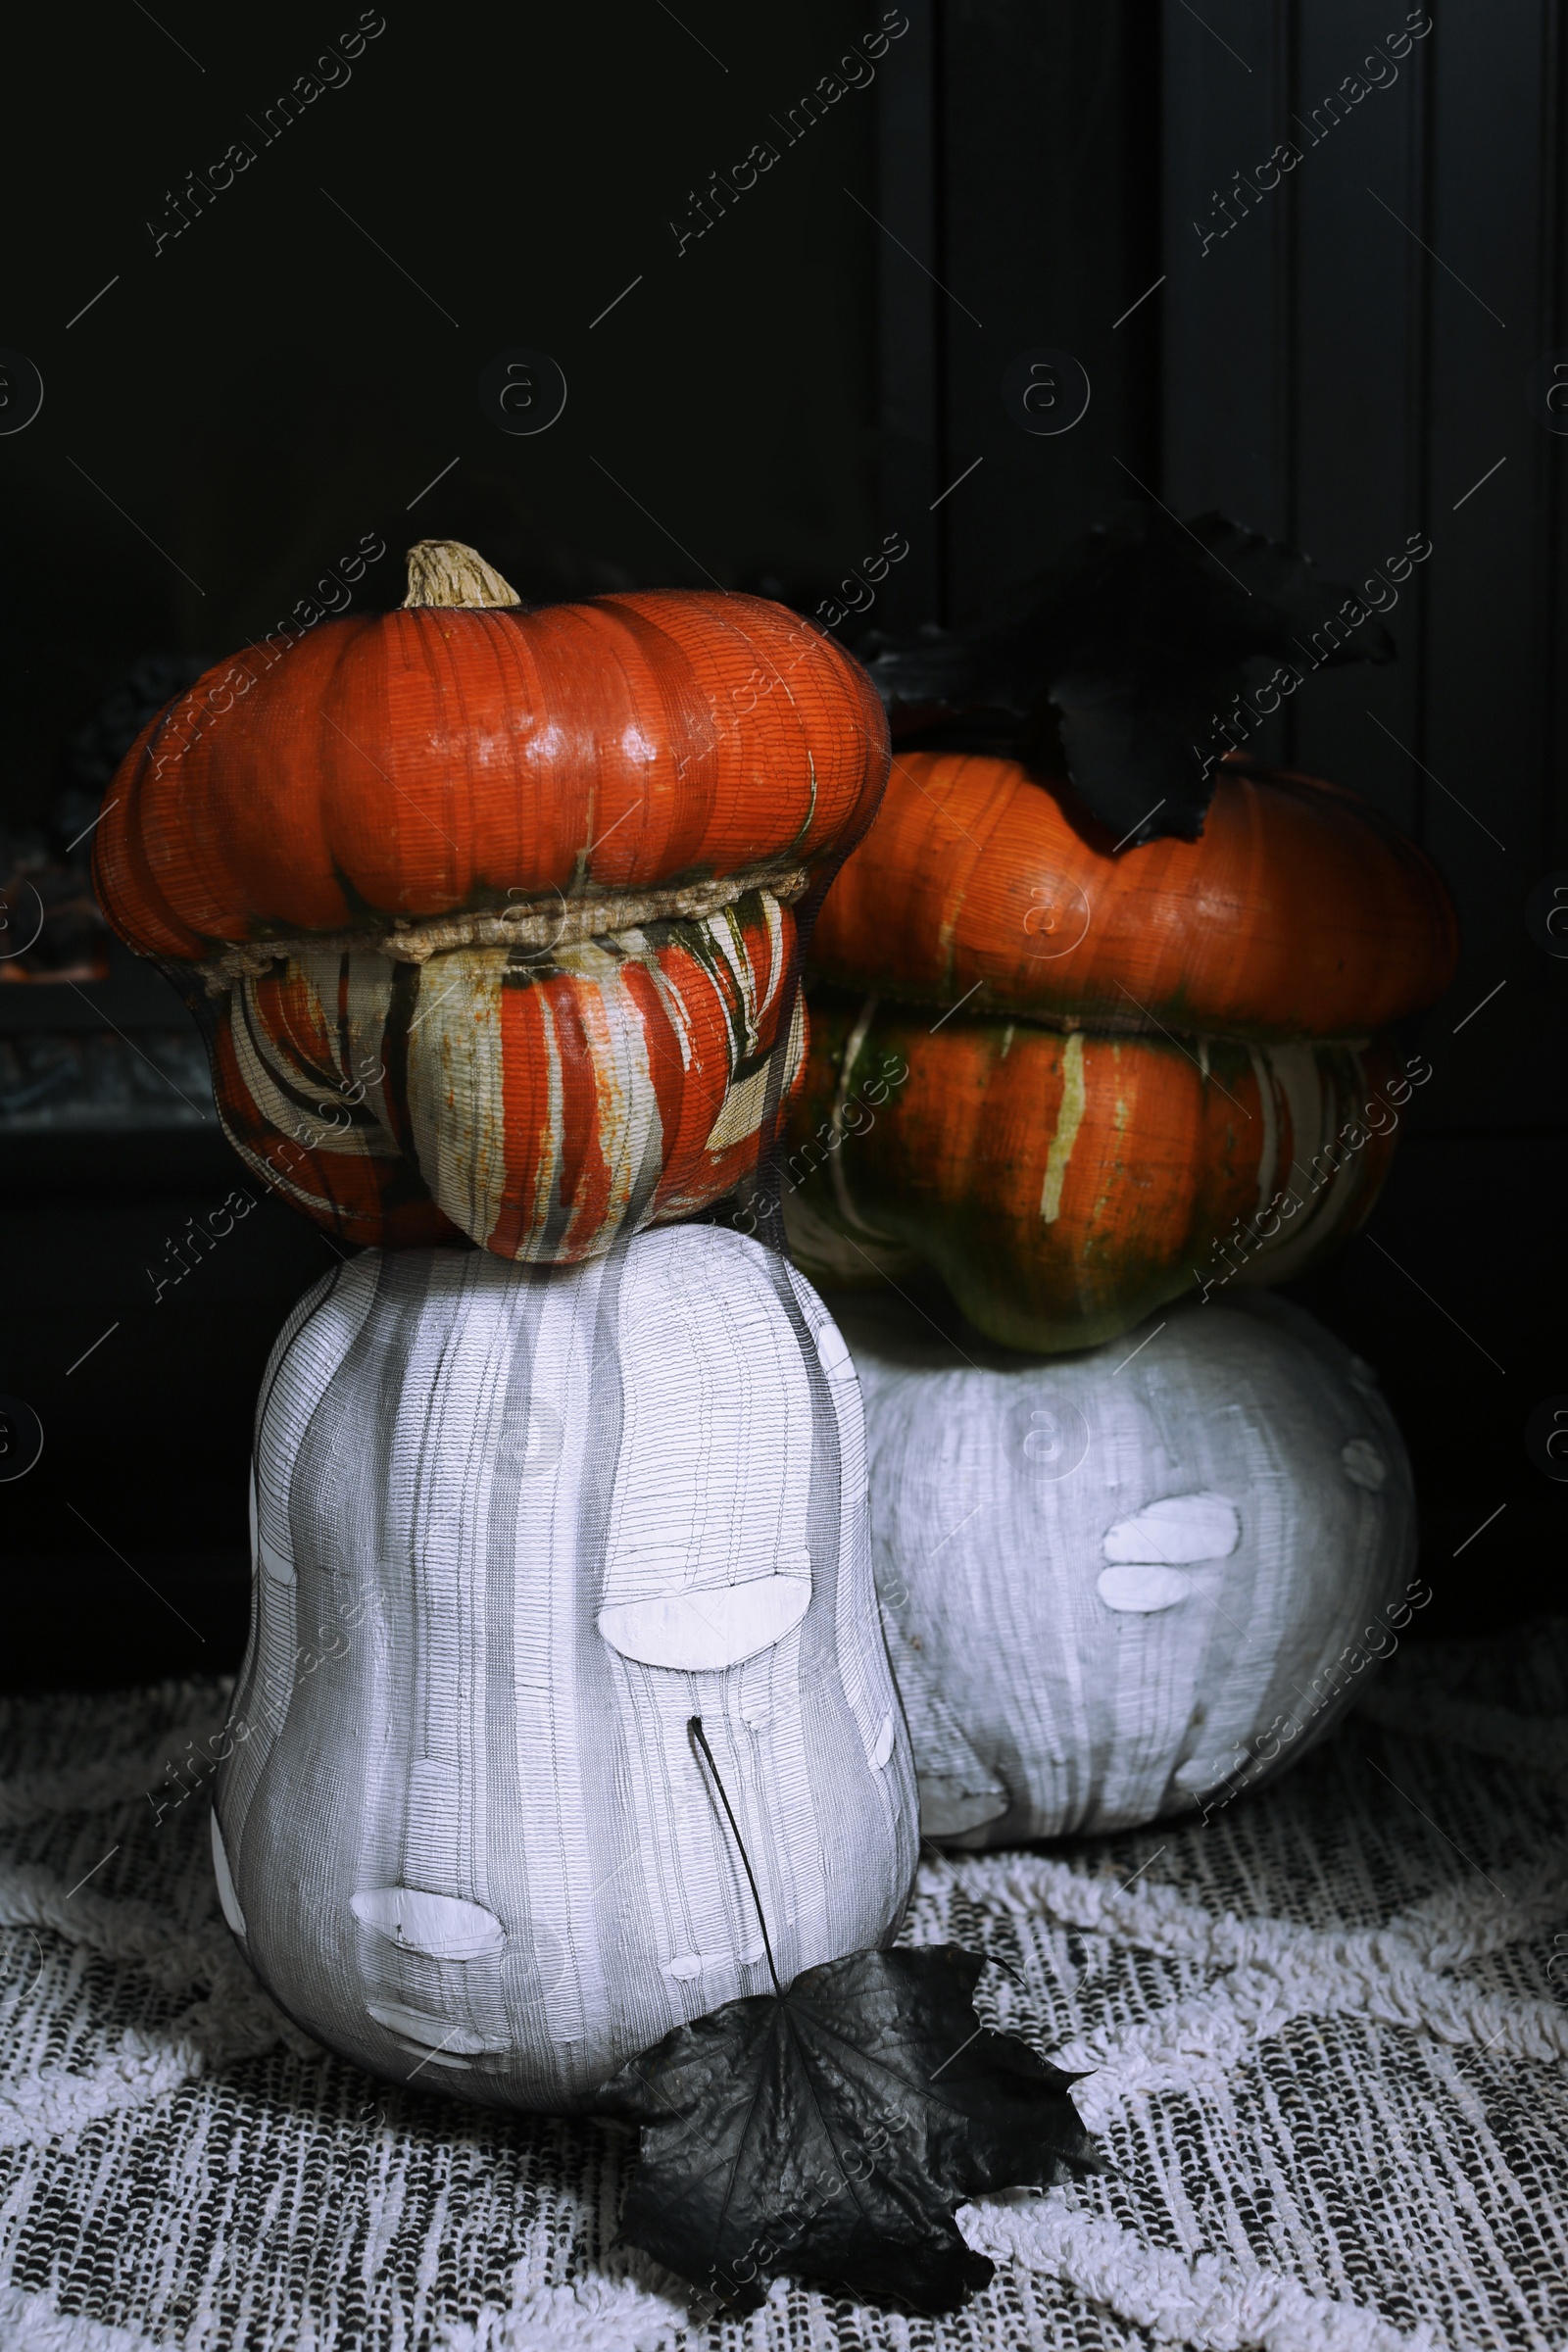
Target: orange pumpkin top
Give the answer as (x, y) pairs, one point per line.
(1300, 912)
(466, 752)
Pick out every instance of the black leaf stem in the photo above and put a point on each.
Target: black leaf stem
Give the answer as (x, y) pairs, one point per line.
(995, 1958)
(696, 1726)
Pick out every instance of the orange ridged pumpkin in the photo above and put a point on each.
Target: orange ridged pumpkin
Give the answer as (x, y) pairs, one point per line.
(518, 1103)
(1299, 912)
(1063, 1184)
(497, 905)
(1144, 1067)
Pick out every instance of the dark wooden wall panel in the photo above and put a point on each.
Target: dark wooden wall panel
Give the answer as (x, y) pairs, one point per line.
(1357, 487)
(1319, 372)
(1486, 675)
(1226, 323)
(909, 329)
(1328, 377)
(1037, 214)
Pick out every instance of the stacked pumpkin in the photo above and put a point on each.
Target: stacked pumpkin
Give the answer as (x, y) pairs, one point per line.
(1124, 1575)
(496, 912)
(496, 906)
(1072, 1077)
(1127, 1584)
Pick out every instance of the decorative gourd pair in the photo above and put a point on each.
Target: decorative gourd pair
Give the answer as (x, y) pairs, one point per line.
(496, 907)
(1077, 1076)
(497, 910)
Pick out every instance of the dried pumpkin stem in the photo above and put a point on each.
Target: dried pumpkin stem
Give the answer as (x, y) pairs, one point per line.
(443, 572)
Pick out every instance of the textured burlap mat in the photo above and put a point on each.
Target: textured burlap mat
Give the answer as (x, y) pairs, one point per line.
(1329, 2029)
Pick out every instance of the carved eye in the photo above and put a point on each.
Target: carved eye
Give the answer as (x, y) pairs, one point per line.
(1364, 1465)
(700, 1632)
(1142, 1586)
(1177, 1529)
(1150, 1552)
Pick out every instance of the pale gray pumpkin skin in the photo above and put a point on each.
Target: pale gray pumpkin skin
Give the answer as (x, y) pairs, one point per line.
(1073, 1661)
(462, 1834)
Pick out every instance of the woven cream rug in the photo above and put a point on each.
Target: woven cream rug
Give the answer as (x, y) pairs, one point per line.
(1329, 2029)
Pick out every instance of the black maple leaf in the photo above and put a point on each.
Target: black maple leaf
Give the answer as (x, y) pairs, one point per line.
(1119, 659)
(830, 2129)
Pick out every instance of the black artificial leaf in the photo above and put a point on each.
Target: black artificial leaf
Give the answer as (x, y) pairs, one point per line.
(830, 2133)
(1127, 747)
(1121, 659)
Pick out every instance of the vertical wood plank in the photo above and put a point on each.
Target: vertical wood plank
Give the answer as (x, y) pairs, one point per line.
(1050, 128)
(1227, 320)
(1358, 490)
(1487, 681)
(909, 390)
(1228, 255)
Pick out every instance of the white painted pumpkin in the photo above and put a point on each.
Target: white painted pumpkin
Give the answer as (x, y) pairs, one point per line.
(1127, 1582)
(513, 1530)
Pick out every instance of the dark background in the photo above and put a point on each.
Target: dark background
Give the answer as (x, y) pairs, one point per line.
(819, 370)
